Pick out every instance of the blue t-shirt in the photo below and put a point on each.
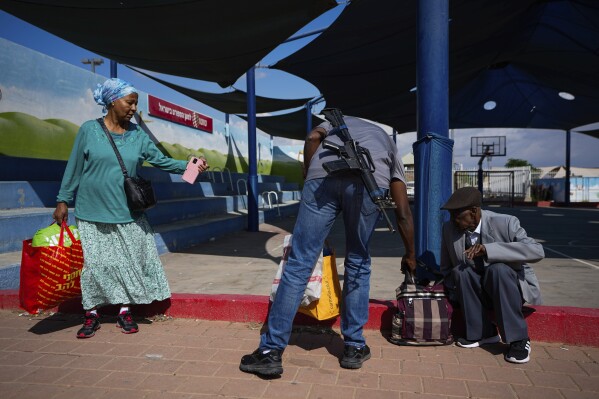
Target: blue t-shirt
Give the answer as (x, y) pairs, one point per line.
(94, 174)
(384, 153)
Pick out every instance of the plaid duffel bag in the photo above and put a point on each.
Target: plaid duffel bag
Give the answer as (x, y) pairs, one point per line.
(424, 314)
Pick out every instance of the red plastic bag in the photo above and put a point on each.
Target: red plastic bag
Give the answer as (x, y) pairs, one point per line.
(50, 275)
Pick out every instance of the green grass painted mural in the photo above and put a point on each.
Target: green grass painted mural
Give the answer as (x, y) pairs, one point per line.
(25, 136)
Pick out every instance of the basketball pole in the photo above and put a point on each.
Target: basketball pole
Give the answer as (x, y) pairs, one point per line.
(480, 169)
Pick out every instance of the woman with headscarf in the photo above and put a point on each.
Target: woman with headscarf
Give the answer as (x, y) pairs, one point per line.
(121, 263)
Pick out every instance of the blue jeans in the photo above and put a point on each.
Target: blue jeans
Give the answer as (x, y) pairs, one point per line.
(322, 201)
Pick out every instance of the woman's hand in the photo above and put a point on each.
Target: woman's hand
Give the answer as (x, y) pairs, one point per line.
(61, 213)
(202, 165)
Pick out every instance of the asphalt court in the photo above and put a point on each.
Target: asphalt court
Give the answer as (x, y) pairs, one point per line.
(246, 262)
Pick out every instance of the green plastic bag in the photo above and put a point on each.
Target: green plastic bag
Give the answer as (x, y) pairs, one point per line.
(49, 236)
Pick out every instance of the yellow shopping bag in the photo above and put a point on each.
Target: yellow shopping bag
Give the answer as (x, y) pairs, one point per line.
(328, 305)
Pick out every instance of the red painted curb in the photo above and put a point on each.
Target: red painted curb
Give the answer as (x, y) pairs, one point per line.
(567, 325)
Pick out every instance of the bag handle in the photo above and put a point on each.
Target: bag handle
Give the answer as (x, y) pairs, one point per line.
(116, 151)
(411, 278)
(64, 227)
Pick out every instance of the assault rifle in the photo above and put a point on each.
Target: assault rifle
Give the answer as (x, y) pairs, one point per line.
(354, 158)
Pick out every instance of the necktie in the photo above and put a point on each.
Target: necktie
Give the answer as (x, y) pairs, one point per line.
(468, 240)
(478, 262)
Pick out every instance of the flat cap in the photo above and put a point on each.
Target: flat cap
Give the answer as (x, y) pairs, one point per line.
(463, 198)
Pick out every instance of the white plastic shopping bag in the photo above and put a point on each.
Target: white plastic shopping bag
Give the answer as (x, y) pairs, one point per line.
(314, 287)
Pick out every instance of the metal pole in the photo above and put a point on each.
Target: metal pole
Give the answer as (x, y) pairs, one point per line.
(432, 118)
(308, 117)
(480, 174)
(227, 138)
(113, 72)
(512, 176)
(253, 215)
(567, 182)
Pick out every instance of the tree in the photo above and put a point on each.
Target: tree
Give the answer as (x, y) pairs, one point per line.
(514, 162)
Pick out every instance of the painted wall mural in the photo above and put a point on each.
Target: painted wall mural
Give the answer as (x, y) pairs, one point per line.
(43, 101)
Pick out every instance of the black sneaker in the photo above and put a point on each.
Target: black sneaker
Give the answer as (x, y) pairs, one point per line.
(125, 322)
(464, 343)
(519, 351)
(263, 361)
(353, 357)
(90, 325)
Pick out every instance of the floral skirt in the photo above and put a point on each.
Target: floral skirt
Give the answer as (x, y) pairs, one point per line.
(121, 264)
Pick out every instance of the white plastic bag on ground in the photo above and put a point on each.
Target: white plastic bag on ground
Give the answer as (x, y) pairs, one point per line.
(314, 287)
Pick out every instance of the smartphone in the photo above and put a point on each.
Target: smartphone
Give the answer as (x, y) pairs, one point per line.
(191, 171)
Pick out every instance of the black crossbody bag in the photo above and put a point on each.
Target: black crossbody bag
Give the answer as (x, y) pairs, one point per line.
(139, 191)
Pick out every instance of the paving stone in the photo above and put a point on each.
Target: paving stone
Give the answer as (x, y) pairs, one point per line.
(491, 390)
(531, 392)
(330, 391)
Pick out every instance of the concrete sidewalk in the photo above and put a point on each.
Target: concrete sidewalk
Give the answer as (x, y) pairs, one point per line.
(245, 262)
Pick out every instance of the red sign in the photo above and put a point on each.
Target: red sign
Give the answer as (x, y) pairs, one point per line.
(174, 113)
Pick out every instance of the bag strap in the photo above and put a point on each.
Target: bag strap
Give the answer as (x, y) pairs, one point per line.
(434, 272)
(116, 151)
(64, 227)
(411, 278)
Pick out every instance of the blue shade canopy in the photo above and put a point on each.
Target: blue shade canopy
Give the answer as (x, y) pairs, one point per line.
(233, 102)
(537, 60)
(291, 125)
(212, 40)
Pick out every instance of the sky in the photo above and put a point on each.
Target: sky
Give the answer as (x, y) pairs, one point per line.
(540, 148)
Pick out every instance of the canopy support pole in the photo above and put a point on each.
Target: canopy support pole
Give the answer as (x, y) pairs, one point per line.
(113, 65)
(567, 181)
(308, 117)
(432, 161)
(309, 106)
(253, 215)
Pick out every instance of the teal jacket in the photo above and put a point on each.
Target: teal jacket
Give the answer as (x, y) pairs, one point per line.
(94, 175)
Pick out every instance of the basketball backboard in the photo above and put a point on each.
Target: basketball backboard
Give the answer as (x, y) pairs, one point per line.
(491, 146)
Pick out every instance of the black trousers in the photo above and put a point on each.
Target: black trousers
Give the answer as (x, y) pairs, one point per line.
(495, 286)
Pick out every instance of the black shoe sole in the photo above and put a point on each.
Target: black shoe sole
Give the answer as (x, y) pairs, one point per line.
(125, 331)
(352, 364)
(262, 370)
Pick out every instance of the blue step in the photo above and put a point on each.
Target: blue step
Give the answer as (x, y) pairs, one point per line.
(10, 267)
(190, 208)
(40, 194)
(33, 169)
(168, 191)
(25, 194)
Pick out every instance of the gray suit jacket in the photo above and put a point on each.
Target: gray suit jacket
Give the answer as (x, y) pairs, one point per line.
(506, 242)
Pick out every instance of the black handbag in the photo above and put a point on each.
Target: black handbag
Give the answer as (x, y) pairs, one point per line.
(139, 191)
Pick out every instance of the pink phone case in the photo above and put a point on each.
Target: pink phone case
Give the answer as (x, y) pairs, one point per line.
(191, 171)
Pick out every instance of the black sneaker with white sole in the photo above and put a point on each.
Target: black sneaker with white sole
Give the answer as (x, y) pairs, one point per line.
(353, 357)
(519, 351)
(263, 361)
(464, 343)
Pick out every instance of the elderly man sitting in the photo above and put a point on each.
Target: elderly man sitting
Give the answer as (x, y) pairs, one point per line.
(485, 256)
